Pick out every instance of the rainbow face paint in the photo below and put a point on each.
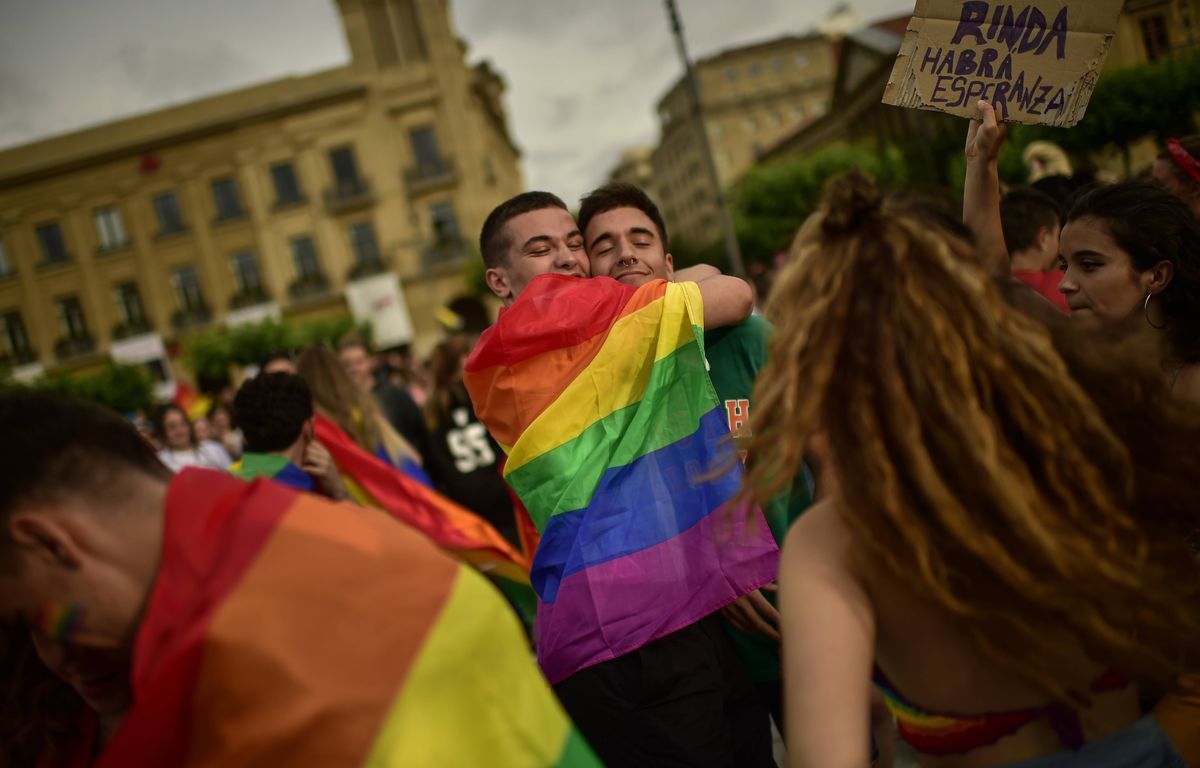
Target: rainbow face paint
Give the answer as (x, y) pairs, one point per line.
(60, 622)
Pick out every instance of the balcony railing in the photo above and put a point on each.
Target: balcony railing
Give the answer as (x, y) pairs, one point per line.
(309, 286)
(132, 328)
(249, 298)
(366, 268)
(190, 317)
(18, 358)
(74, 346)
(289, 202)
(59, 260)
(173, 231)
(349, 195)
(226, 217)
(444, 252)
(104, 250)
(429, 176)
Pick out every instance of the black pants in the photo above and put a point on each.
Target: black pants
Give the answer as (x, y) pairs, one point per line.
(682, 700)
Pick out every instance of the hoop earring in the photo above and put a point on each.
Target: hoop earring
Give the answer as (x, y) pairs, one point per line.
(1146, 312)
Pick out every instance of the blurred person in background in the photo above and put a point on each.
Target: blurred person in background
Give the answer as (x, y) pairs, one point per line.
(1032, 222)
(225, 430)
(1177, 170)
(342, 398)
(180, 447)
(395, 403)
(463, 459)
(276, 410)
(278, 361)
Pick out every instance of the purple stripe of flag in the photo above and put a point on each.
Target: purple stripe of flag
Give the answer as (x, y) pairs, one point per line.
(620, 605)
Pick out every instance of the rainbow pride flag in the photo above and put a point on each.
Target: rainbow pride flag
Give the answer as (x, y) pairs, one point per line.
(373, 482)
(285, 630)
(620, 451)
(276, 467)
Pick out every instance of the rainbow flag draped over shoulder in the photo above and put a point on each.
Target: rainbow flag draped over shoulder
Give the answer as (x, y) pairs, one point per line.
(374, 483)
(620, 451)
(285, 630)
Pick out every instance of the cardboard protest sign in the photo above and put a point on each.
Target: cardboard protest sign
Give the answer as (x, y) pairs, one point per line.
(1037, 61)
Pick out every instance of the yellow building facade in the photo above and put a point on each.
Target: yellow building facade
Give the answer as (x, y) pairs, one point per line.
(1153, 29)
(751, 97)
(266, 201)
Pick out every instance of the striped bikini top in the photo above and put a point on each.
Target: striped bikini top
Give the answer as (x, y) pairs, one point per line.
(941, 734)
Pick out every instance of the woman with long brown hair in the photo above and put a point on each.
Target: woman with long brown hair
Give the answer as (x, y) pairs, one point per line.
(995, 555)
(355, 411)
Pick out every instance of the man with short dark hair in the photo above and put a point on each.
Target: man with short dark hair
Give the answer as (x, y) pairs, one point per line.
(529, 235)
(275, 411)
(626, 239)
(562, 381)
(1032, 222)
(266, 627)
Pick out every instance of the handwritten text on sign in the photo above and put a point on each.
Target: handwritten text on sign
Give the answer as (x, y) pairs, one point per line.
(1037, 62)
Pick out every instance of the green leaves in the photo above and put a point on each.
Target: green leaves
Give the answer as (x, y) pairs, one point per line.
(773, 200)
(123, 388)
(211, 354)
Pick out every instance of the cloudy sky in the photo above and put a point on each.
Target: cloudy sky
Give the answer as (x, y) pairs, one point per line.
(583, 75)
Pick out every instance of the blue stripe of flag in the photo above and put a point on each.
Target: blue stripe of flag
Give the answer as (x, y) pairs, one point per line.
(636, 506)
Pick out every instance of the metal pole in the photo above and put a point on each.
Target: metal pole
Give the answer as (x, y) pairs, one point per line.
(731, 244)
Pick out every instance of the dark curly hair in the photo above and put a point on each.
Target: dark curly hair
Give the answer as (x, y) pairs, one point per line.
(616, 194)
(1152, 226)
(271, 409)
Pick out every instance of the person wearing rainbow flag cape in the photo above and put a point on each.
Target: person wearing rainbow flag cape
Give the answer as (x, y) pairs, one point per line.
(619, 450)
(275, 411)
(266, 626)
(626, 239)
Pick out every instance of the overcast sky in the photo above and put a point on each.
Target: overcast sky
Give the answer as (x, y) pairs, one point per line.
(583, 75)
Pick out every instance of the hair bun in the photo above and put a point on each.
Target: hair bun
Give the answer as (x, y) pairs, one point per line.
(850, 199)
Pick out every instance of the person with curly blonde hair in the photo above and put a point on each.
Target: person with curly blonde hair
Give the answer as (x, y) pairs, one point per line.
(1005, 552)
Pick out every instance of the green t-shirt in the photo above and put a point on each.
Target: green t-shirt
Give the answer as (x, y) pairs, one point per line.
(735, 356)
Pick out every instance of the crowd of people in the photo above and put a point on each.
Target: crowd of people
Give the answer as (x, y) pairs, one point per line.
(942, 488)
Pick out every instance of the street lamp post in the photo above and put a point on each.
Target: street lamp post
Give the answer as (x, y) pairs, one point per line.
(731, 244)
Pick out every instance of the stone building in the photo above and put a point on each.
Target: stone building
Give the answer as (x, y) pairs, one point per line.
(752, 97)
(271, 200)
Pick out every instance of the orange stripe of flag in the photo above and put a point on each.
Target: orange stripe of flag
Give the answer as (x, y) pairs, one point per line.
(539, 379)
(340, 602)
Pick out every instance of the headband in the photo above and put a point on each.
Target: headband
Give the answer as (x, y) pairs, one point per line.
(1184, 159)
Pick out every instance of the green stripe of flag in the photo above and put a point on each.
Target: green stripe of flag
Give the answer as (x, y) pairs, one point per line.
(677, 394)
(576, 753)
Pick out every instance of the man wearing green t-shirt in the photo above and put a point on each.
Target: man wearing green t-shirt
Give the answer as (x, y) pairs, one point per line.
(275, 413)
(626, 239)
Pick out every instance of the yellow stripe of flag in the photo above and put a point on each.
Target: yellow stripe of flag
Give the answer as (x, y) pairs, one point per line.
(618, 374)
(474, 695)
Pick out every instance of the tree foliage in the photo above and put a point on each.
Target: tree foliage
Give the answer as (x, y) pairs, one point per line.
(210, 355)
(123, 388)
(1158, 99)
(772, 201)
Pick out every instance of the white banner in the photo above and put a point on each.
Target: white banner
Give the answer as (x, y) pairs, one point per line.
(380, 300)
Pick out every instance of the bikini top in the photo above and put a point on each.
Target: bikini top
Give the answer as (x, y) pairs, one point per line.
(941, 734)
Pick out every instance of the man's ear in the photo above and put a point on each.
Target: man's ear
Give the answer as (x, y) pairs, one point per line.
(1039, 240)
(497, 280)
(46, 538)
(670, 260)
